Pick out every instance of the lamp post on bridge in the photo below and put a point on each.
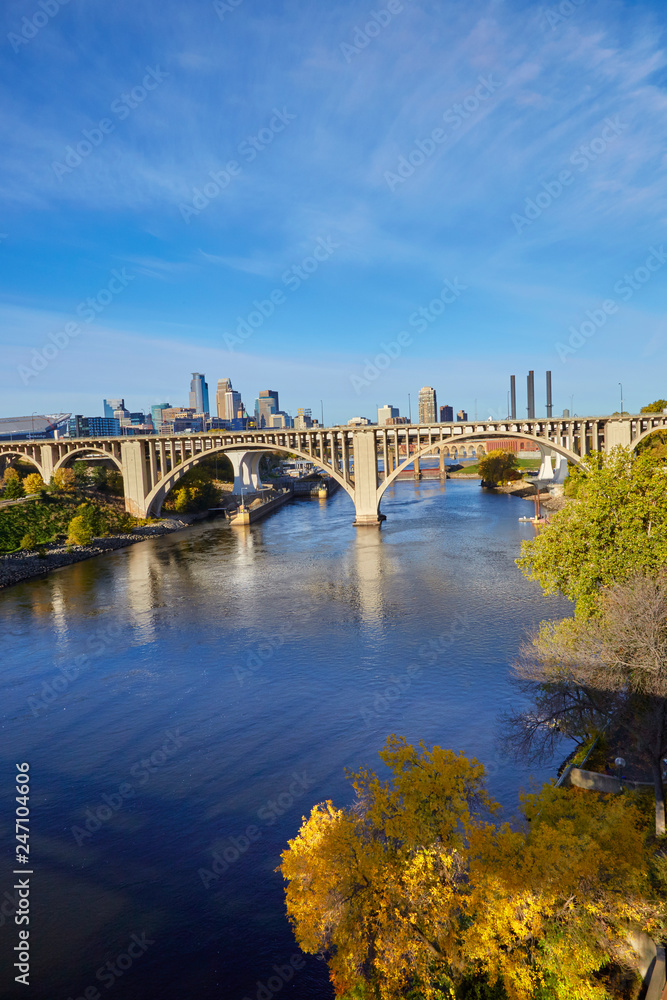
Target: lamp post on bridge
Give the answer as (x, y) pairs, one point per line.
(621, 385)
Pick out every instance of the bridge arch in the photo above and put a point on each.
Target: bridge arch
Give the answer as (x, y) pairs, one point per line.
(24, 457)
(646, 434)
(542, 443)
(66, 458)
(157, 495)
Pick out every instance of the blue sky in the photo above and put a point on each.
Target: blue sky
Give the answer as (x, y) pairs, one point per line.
(541, 188)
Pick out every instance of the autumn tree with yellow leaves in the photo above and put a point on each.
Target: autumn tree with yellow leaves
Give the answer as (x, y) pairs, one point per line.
(415, 888)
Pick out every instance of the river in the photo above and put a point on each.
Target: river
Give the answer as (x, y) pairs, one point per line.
(175, 693)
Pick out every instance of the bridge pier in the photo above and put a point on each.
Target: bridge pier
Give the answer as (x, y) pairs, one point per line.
(246, 471)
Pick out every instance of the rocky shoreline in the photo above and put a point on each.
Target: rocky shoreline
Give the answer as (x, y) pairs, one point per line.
(20, 566)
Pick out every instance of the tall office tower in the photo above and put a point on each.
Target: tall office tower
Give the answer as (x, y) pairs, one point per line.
(199, 393)
(550, 402)
(233, 405)
(531, 395)
(112, 404)
(224, 386)
(156, 414)
(385, 413)
(267, 405)
(461, 416)
(428, 406)
(512, 413)
(446, 414)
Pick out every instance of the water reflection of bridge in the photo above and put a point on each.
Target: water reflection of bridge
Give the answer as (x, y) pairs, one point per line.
(353, 456)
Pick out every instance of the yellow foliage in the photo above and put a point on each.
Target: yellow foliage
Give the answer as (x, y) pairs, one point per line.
(413, 883)
(64, 480)
(33, 483)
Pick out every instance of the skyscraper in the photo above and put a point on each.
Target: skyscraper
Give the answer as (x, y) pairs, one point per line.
(428, 406)
(112, 404)
(224, 386)
(446, 414)
(199, 393)
(267, 404)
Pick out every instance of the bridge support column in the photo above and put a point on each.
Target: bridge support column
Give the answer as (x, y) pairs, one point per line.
(366, 480)
(49, 459)
(255, 479)
(242, 471)
(417, 468)
(441, 463)
(136, 477)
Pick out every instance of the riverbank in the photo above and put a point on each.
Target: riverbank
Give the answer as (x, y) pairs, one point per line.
(20, 566)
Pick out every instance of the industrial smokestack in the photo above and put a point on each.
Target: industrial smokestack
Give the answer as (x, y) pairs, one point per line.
(550, 404)
(513, 397)
(531, 395)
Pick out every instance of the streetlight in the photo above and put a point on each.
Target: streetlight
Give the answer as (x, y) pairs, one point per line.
(621, 385)
(322, 411)
(409, 410)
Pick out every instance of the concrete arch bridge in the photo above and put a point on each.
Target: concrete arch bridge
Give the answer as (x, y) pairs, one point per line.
(364, 460)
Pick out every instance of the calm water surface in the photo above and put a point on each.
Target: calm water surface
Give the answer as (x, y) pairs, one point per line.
(175, 693)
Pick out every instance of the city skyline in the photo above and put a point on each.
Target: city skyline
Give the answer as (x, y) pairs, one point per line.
(202, 207)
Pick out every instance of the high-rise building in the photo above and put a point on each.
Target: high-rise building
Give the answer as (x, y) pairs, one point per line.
(303, 419)
(80, 426)
(266, 404)
(224, 386)
(156, 414)
(199, 393)
(385, 413)
(428, 405)
(461, 416)
(233, 405)
(446, 414)
(112, 404)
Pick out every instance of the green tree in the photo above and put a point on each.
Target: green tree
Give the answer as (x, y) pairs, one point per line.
(657, 407)
(608, 671)
(498, 467)
(29, 542)
(616, 528)
(79, 532)
(13, 487)
(80, 470)
(413, 888)
(115, 483)
(99, 478)
(182, 500)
